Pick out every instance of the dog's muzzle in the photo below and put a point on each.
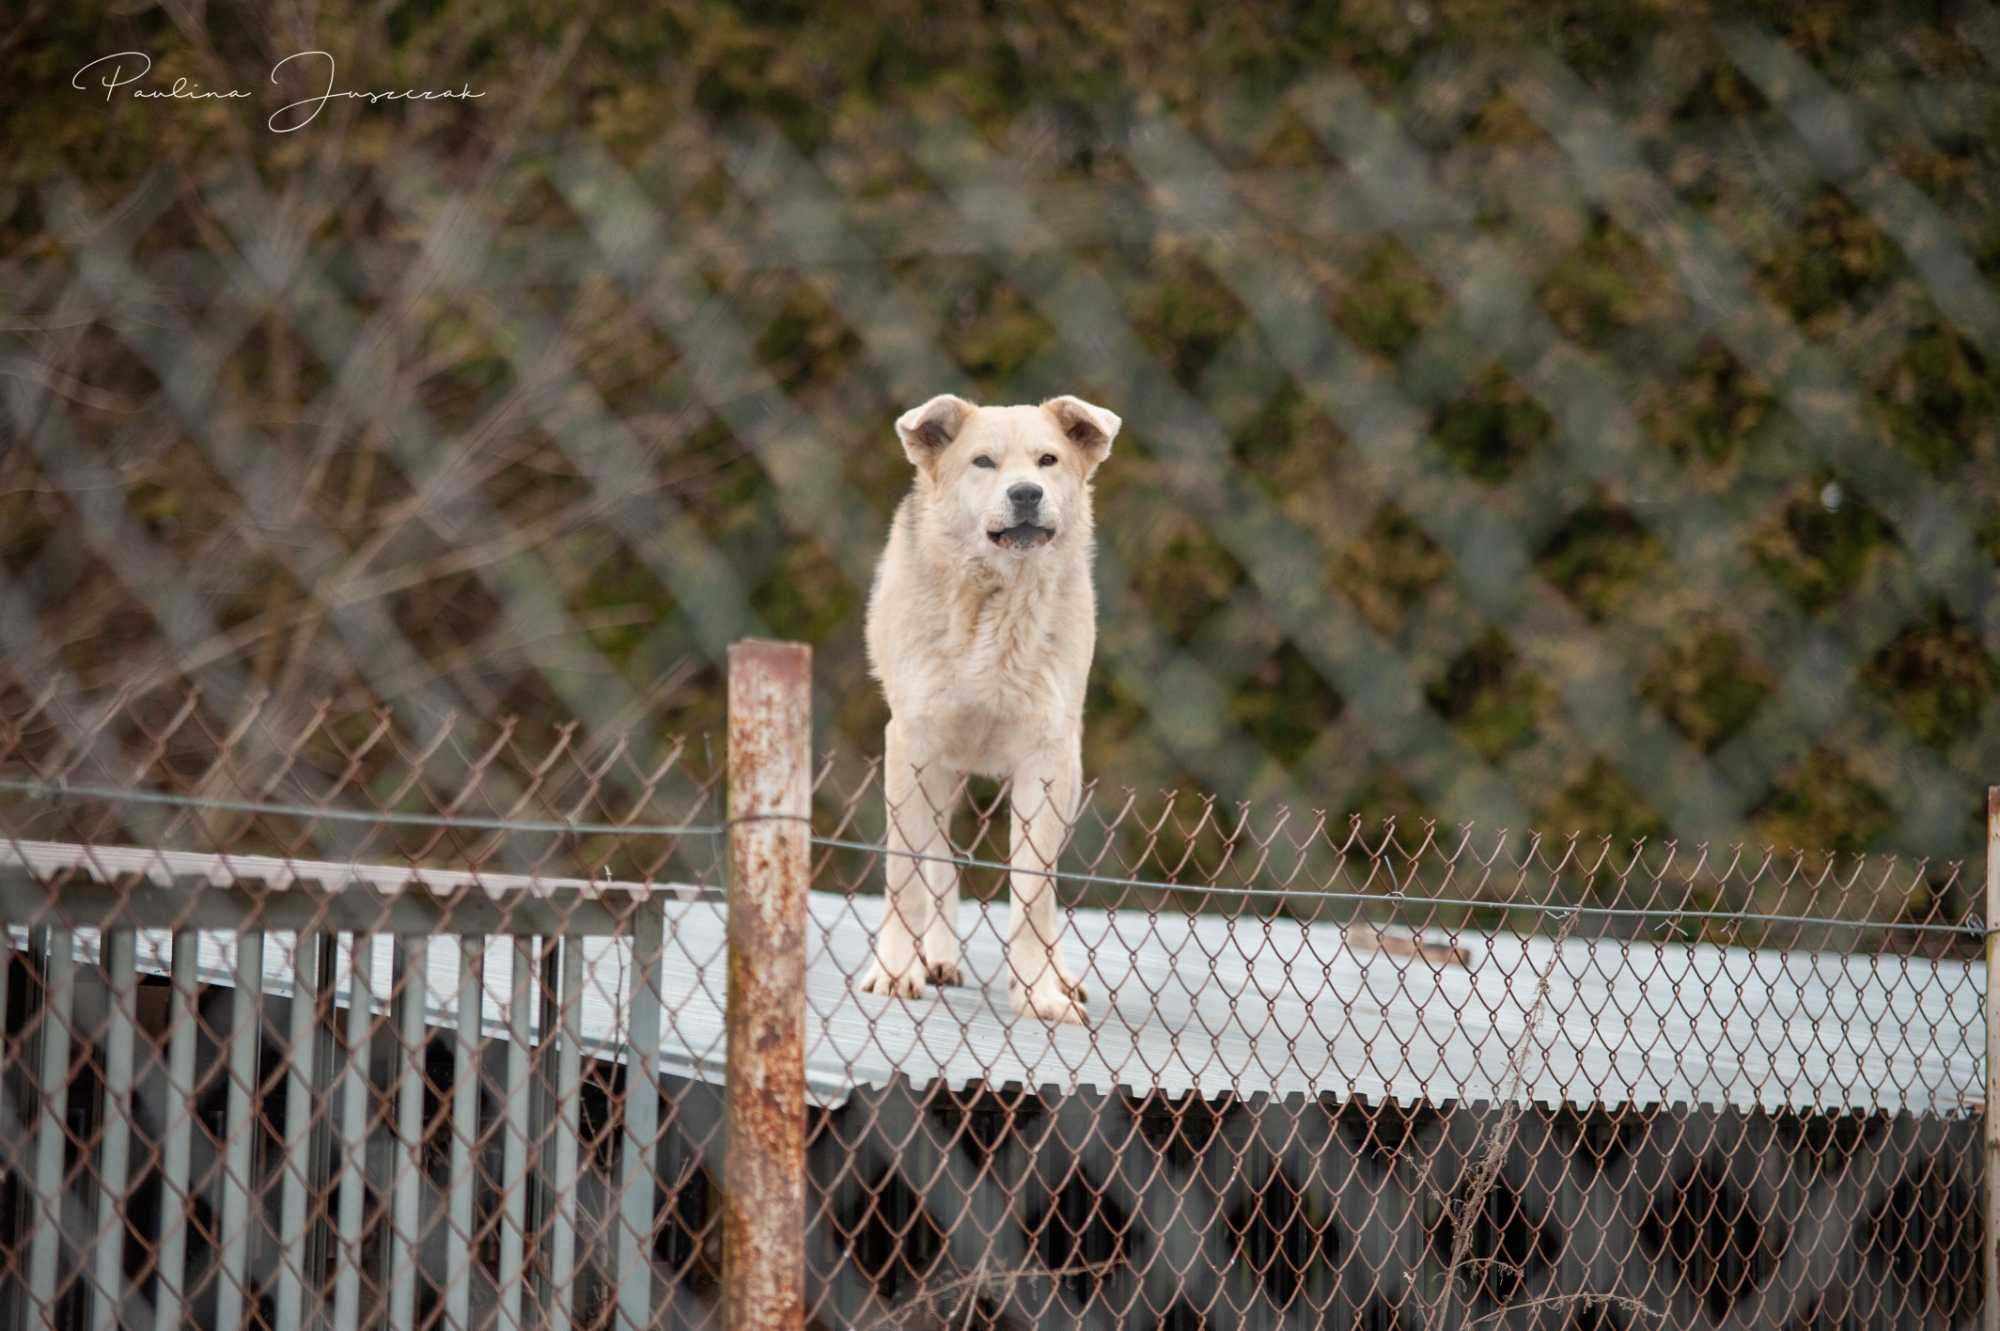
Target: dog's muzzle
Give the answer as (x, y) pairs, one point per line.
(1025, 498)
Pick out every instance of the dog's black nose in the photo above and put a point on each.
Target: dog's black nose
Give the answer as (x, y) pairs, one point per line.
(1025, 494)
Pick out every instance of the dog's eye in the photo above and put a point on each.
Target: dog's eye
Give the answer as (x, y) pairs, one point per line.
(982, 462)
(1048, 459)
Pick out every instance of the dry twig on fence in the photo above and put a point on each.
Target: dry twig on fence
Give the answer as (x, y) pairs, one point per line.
(1496, 1141)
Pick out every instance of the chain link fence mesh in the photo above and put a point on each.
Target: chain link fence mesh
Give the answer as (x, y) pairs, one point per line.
(1328, 1073)
(1514, 440)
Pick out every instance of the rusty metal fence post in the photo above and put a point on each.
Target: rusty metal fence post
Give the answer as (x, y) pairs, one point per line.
(1991, 1318)
(770, 794)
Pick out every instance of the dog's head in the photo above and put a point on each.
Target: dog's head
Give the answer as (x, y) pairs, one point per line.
(1007, 481)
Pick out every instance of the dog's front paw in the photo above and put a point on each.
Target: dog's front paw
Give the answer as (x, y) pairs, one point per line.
(1048, 1000)
(940, 953)
(906, 981)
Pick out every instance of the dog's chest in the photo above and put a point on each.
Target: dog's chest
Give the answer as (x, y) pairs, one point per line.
(988, 724)
(990, 685)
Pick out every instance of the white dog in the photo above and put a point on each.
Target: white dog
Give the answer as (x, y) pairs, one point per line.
(981, 626)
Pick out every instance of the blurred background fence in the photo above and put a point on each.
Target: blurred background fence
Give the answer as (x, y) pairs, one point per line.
(1584, 424)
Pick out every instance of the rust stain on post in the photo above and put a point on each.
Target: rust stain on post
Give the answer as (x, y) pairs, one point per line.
(770, 794)
(1991, 1318)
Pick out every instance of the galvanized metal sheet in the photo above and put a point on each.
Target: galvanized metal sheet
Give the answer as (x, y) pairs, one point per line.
(1190, 1002)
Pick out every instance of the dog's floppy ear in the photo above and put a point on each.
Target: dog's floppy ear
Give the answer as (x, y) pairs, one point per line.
(926, 431)
(1091, 428)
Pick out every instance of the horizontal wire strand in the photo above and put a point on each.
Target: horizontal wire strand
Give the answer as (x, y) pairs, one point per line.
(59, 791)
(1973, 928)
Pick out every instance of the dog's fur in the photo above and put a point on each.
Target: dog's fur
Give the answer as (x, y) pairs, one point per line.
(981, 626)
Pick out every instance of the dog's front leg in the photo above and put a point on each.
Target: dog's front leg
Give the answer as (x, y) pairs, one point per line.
(939, 941)
(917, 800)
(1044, 797)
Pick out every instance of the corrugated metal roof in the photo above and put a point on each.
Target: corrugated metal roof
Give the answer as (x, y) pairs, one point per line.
(1275, 1006)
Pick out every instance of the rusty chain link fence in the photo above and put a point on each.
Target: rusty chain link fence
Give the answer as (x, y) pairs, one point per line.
(1518, 436)
(315, 1020)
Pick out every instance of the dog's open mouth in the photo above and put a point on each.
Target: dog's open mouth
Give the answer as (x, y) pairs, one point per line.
(1022, 536)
